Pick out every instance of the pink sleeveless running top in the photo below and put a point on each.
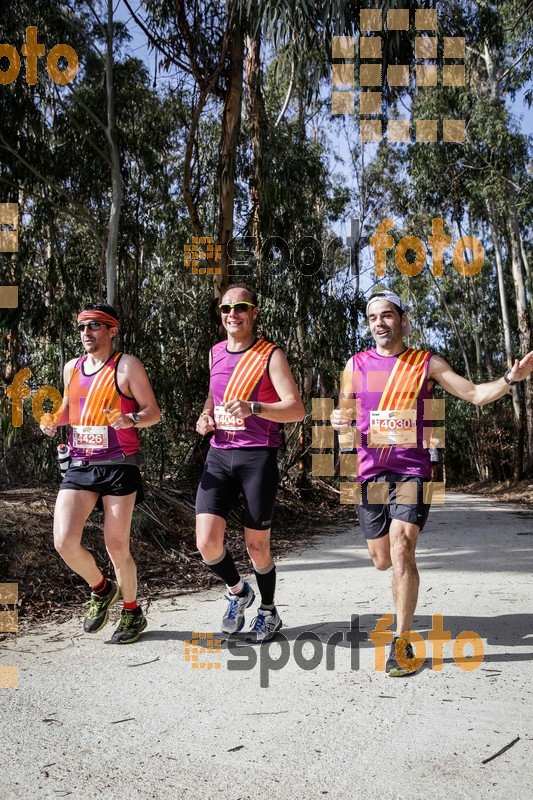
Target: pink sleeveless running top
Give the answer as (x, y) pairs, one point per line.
(243, 375)
(88, 396)
(390, 393)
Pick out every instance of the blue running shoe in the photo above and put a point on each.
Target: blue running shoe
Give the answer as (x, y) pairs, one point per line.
(264, 626)
(233, 619)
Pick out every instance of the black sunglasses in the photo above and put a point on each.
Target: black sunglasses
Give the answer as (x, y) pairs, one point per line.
(93, 326)
(240, 308)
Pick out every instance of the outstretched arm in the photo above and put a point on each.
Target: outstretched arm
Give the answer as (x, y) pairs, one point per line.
(482, 393)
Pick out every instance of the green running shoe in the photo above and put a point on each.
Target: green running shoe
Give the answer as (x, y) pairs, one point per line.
(130, 627)
(99, 608)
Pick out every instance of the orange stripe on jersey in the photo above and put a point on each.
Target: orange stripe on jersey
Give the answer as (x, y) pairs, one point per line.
(248, 371)
(406, 381)
(102, 393)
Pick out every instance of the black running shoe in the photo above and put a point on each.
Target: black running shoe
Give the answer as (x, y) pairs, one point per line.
(99, 608)
(130, 627)
(408, 666)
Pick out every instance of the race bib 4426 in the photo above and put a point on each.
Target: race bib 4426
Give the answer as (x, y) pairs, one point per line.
(90, 436)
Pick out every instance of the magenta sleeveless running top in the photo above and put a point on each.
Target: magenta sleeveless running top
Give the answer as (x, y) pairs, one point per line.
(243, 375)
(91, 436)
(390, 393)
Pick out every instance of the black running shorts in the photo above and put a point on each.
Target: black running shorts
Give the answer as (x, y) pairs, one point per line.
(375, 518)
(254, 471)
(111, 479)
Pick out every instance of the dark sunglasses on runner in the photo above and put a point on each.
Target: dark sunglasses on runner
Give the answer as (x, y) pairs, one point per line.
(93, 326)
(239, 307)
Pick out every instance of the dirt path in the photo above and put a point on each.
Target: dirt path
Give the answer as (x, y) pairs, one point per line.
(95, 720)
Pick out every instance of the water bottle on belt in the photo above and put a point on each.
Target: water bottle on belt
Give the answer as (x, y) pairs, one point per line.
(63, 458)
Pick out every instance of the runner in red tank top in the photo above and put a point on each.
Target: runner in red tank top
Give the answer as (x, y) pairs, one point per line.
(390, 386)
(108, 397)
(251, 392)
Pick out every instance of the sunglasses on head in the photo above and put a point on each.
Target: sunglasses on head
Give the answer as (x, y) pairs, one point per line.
(93, 326)
(239, 307)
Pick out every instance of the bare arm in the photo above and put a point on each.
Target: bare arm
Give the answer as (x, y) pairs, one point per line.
(482, 393)
(206, 421)
(133, 381)
(289, 408)
(343, 416)
(51, 422)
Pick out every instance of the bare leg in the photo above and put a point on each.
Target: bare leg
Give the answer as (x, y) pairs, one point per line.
(118, 511)
(397, 549)
(258, 546)
(405, 578)
(210, 531)
(72, 509)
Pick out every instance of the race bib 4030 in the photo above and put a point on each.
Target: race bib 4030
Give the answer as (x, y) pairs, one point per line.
(90, 436)
(225, 421)
(392, 428)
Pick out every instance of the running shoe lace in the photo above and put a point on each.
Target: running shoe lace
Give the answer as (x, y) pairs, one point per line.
(259, 624)
(233, 606)
(125, 620)
(94, 608)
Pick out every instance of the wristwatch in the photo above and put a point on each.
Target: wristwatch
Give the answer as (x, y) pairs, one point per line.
(135, 418)
(256, 408)
(507, 380)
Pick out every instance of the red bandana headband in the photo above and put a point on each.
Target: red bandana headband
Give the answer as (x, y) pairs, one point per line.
(98, 316)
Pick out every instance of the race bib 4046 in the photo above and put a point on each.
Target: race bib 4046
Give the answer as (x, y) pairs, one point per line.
(90, 436)
(392, 428)
(225, 421)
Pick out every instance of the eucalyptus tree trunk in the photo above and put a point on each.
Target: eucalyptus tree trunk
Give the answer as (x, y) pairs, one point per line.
(116, 177)
(231, 119)
(256, 110)
(506, 325)
(524, 327)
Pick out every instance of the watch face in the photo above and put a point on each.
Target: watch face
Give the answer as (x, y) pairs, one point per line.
(135, 418)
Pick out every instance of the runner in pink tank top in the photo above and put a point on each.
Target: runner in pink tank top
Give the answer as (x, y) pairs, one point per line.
(386, 400)
(251, 393)
(107, 398)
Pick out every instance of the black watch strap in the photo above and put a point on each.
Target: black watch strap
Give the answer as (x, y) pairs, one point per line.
(508, 380)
